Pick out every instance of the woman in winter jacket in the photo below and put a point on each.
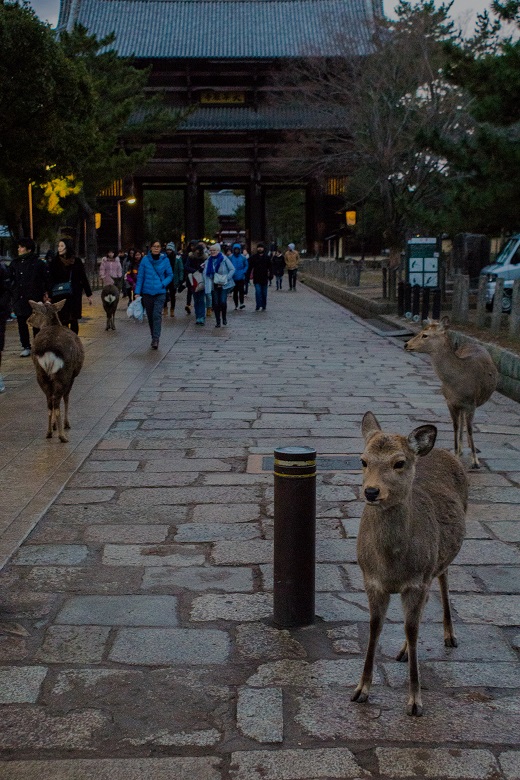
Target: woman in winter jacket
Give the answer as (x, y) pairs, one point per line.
(220, 265)
(292, 261)
(241, 267)
(110, 270)
(66, 269)
(28, 282)
(153, 277)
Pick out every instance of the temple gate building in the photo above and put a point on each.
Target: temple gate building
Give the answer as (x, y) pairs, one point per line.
(218, 57)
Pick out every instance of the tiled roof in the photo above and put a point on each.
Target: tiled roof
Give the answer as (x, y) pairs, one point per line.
(239, 118)
(227, 29)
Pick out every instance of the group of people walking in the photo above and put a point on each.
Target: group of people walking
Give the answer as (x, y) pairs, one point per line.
(211, 276)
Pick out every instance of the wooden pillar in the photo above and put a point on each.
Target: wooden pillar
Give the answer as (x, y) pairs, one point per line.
(314, 218)
(255, 209)
(194, 209)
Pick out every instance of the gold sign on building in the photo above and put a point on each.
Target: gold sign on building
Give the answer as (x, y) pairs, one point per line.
(350, 217)
(222, 98)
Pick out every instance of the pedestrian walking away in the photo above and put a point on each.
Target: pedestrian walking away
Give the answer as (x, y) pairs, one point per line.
(111, 270)
(277, 265)
(292, 261)
(5, 309)
(260, 272)
(218, 275)
(68, 281)
(177, 267)
(189, 268)
(153, 277)
(28, 282)
(241, 267)
(195, 264)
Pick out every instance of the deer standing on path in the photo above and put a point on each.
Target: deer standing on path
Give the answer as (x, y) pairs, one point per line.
(110, 299)
(58, 356)
(412, 527)
(468, 376)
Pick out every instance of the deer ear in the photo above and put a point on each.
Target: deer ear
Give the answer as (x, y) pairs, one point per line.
(59, 305)
(422, 439)
(445, 322)
(369, 425)
(34, 305)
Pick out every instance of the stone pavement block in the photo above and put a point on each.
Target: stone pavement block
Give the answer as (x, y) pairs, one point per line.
(304, 764)
(73, 644)
(139, 479)
(131, 534)
(256, 640)
(119, 611)
(85, 496)
(232, 606)
(94, 466)
(260, 714)
(111, 514)
(336, 550)
(217, 532)
(21, 684)
(184, 465)
(458, 674)
(188, 495)
(148, 555)
(475, 551)
(236, 553)
(491, 513)
(500, 610)
(231, 513)
(506, 532)
(476, 643)
(500, 579)
(199, 578)
(34, 728)
(437, 763)
(449, 716)
(328, 577)
(104, 579)
(303, 674)
(154, 647)
(49, 554)
(184, 768)
(510, 764)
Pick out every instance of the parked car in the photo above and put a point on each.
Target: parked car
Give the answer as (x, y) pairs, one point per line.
(506, 267)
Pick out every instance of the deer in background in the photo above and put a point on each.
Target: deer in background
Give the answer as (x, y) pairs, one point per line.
(110, 299)
(412, 527)
(468, 376)
(58, 356)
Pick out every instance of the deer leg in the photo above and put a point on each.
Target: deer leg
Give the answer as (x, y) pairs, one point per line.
(402, 655)
(50, 419)
(61, 434)
(413, 600)
(66, 423)
(469, 426)
(450, 640)
(378, 603)
(455, 418)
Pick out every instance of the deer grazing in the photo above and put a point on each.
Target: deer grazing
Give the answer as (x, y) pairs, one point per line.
(468, 376)
(58, 357)
(110, 299)
(412, 527)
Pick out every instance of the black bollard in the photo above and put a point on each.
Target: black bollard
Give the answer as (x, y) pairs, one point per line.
(294, 536)
(425, 311)
(436, 307)
(400, 299)
(407, 300)
(416, 302)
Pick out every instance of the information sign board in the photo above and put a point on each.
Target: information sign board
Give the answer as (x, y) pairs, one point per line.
(422, 262)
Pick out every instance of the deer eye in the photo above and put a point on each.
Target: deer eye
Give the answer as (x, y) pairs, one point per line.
(399, 464)
(363, 463)
(424, 336)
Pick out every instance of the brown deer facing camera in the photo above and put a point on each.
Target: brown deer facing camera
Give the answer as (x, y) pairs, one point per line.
(468, 376)
(412, 527)
(58, 357)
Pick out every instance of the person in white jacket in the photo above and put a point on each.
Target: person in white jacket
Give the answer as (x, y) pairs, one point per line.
(218, 280)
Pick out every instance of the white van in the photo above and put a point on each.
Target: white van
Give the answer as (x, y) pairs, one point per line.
(506, 267)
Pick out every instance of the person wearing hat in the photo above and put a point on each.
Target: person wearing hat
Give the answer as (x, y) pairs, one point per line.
(176, 285)
(260, 271)
(292, 261)
(218, 280)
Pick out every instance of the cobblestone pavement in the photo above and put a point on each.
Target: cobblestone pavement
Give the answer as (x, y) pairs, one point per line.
(145, 590)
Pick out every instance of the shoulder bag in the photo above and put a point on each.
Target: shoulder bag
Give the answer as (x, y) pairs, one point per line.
(62, 289)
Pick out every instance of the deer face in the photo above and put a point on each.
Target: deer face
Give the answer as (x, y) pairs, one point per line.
(430, 338)
(389, 461)
(44, 313)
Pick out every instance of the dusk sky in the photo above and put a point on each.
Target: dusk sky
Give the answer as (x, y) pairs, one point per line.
(462, 9)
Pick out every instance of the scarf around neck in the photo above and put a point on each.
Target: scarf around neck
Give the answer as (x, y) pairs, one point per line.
(212, 269)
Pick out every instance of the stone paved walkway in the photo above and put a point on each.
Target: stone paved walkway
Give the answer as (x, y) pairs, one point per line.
(145, 590)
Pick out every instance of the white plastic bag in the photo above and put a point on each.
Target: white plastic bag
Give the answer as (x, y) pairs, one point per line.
(135, 310)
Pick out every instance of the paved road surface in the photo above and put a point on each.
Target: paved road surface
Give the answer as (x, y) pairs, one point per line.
(145, 586)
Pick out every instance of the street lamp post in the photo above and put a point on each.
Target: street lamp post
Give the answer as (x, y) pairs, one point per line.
(130, 200)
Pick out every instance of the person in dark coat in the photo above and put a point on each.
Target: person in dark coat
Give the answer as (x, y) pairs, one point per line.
(260, 271)
(67, 268)
(277, 265)
(27, 278)
(5, 310)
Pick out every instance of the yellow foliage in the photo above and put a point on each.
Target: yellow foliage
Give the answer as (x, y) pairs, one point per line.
(57, 189)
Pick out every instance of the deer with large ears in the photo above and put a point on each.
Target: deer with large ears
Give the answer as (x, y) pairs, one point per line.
(412, 527)
(58, 356)
(468, 376)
